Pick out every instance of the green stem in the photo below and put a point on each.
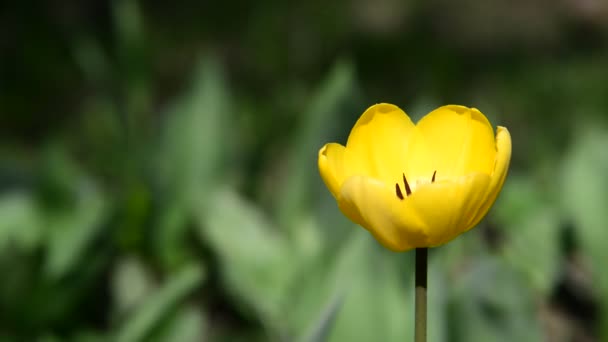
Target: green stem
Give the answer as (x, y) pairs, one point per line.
(421, 275)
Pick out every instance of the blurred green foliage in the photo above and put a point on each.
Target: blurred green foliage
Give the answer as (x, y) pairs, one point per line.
(158, 175)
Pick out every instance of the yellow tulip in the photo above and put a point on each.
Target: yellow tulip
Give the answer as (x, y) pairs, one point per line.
(417, 185)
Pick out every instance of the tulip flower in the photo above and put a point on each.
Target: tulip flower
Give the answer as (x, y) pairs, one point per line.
(417, 185)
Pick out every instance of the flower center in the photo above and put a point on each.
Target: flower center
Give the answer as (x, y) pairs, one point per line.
(408, 190)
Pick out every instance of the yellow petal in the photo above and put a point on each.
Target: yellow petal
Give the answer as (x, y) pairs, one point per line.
(433, 215)
(499, 174)
(378, 142)
(447, 207)
(351, 212)
(331, 166)
(394, 225)
(454, 141)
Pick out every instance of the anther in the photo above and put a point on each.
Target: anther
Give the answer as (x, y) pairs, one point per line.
(398, 190)
(433, 179)
(408, 191)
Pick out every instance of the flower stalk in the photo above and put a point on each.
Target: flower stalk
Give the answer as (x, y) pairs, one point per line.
(421, 288)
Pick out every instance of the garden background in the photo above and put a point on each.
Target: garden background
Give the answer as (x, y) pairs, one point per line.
(158, 177)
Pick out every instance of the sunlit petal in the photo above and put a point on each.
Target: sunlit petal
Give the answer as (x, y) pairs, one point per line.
(377, 144)
(454, 140)
(331, 166)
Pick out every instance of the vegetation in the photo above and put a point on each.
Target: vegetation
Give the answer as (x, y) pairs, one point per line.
(158, 177)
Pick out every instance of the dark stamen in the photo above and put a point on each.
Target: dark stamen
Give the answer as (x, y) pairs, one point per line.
(433, 179)
(408, 191)
(398, 190)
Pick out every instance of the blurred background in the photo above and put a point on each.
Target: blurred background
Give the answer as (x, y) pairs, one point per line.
(158, 177)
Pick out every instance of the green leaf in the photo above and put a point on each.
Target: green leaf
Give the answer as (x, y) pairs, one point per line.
(584, 198)
(131, 284)
(367, 281)
(376, 306)
(438, 296)
(192, 155)
(187, 325)
(21, 222)
(91, 59)
(533, 248)
(317, 121)
(320, 331)
(147, 316)
(256, 260)
(128, 22)
(193, 142)
(490, 302)
(531, 227)
(71, 232)
(520, 198)
(172, 229)
(74, 211)
(134, 70)
(585, 195)
(321, 282)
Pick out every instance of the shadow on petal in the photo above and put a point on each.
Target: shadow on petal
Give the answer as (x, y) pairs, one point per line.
(499, 174)
(447, 207)
(394, 224)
